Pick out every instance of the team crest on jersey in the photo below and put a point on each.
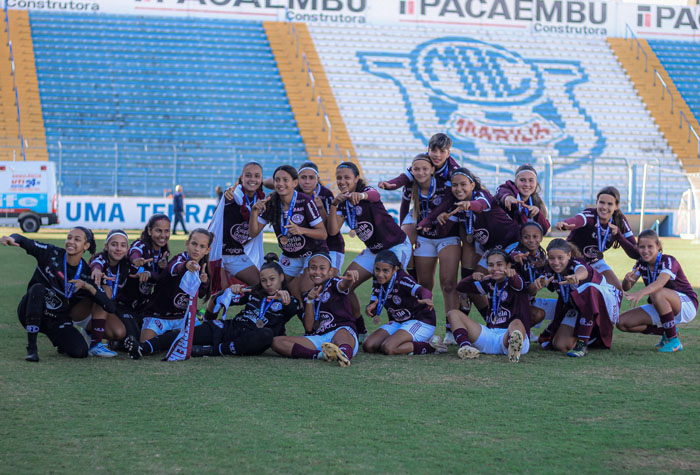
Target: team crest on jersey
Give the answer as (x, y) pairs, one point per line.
(276, 306)
(239, 233)
(358, 210)
(297, 218)
(325, 296)
(591, 252)
(53, 301)
(437, 200)
(396, 299)
(181, 300)
(490, 99)
(585, 322)
(284, 261)
(145, 288)
(48, 272)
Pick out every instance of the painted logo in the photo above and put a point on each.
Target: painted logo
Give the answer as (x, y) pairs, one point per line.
(490, 100)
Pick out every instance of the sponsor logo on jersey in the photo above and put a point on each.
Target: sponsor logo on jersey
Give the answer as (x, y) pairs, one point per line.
(481, 236)
(364, 230)
(276, 306)
(294, 244)
(239, 233)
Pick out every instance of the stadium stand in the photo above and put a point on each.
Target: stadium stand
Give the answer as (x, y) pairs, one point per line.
(396, 86)
(133, 105)
(682, 62)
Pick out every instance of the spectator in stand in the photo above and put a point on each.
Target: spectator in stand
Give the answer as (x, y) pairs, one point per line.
(178, 209)
(219, 193)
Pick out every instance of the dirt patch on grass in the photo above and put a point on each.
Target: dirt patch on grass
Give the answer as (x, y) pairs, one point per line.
(670, 461)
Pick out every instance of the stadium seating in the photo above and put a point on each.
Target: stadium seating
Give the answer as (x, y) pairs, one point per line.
(134, 105)
(682, 62)
(393, 98)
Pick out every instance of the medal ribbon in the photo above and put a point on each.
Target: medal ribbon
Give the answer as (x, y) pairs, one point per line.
(284, 219)
(115, 283)
(496, 297)
(602, 243)
(469, 223)
(520, 207)
(425, 200)
(383, 295)
(317, 301)
(264, 308)
(652, 277)
(564, 288)
(69, 288)
(352, 216)
(248, 203)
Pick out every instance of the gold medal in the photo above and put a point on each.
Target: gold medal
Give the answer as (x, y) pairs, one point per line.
(470, 238)
(259, 323)
(284, 240)
(352, 233)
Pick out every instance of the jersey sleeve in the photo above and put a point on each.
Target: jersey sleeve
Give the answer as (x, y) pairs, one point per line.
(670, 266)
(36, 249)
(468, 286)
(311, 213)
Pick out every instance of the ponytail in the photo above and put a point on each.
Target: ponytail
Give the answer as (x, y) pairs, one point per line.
(90, 238)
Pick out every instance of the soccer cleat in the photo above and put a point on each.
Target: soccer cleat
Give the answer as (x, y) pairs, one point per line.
(449, 339)
(515, 345)
(671, 346)
(437, 343)
(468, 352)
(133, 346)
(333, 353)
(32, 354)
(662, 341)
(579, 350)
(102, 351)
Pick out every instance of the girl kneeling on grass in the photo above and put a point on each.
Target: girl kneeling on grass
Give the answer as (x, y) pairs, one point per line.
(328, 317)
(410, 309)
(672, 298)
(587, 305)
(508, 321)
(167, 308)
(60, 283)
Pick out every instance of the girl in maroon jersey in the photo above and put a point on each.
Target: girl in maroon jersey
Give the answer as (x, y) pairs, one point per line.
(521, 198)
(595, 230)
(237, 210)
(309, 183)
(168, 305)
(672, 298)
(149, 253)
(409, 307)
(297, 223)
(328, 317)
(587, 306)
(508, 321)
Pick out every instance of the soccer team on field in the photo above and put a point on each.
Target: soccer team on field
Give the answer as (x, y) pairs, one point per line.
(132, 296)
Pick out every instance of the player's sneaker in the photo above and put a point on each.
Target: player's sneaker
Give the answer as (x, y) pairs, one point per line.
(671, 346)
(437, 343)
(32, 354)
(662, 341)
(101, 351)
(579, 350)
(515, 345)
(333, 353)
(133, 346)
(449, 339)
(468, 352)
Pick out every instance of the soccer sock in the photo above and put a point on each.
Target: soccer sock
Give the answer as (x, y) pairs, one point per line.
(300, 351)
(147, 347)
(32, 332)
(466, 272)
(226, 349)
(462, 337)
(668, 321)
(98, 330)
(347, 349)
(422, 348)
(653, 330)
(360, 324)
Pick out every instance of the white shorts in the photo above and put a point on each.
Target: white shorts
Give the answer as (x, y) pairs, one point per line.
(687, 313)
(490, 341)
(570, 318)
(426, 247)
(294, 266)
(337, 259)
(160, 325)
(235, 264)
(318, 340)
(403, 251)
(548, 305)
(420, 331)
(601, 266)
(479, 250)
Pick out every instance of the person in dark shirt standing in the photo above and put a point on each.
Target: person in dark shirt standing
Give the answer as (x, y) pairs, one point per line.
(178, 209)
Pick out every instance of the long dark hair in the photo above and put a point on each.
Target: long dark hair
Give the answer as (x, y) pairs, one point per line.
(536, 198)
(145, 237)
(473, 178)
(273, 213)
(566, 246)
(205, 259)
(618, 217)
(361, 184)
(270, 263)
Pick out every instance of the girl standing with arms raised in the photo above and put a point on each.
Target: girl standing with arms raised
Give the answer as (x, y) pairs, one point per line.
(521, 198)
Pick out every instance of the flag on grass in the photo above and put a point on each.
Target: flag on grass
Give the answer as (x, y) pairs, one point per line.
(181, 348)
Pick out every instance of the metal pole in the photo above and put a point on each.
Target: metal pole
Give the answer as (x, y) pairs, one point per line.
(644, 196)
(116, 167)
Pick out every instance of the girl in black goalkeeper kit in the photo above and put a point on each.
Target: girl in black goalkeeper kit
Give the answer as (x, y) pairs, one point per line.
(60, 282)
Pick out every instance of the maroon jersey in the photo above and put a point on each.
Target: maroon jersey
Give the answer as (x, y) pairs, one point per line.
(118, 285)
(532, 267)
(401, 303)
(374, 227)
(275, 315)
(169, 301)
(677, 279)
(491, 226)
(139, 293)
(518, 213)
(332, 309)
(508, 300)
(594, 238)
(236, 217)
(335, 243)
(436, 195)
(304, 214)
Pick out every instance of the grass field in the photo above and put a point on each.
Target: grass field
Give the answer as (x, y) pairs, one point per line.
(630, 409)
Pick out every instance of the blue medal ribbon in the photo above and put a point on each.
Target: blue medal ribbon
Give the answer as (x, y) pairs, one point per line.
(425, 200)
(284, 219)
(115, 283)
(652, 277)
(497, 296)
(155, 261)
(565, 289)
(469, 222)
(265, 306)
(602, 242)
(248, 203)
(68, 288)
(384, 294)
(317, 301)
(351, 214)
(520, 207)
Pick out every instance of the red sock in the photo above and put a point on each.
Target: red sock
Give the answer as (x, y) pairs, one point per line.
(422, 348)
(347, 349)
(653, 330)
(462, 337)
(668, 321)
(98, 330)
(300, 351)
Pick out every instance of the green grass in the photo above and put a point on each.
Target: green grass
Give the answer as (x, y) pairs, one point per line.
(629, 409)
